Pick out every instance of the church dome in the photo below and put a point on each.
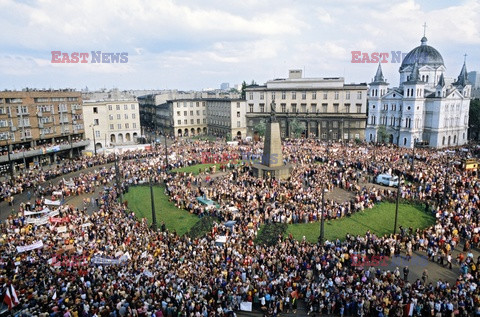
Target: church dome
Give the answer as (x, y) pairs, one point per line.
(422, 55)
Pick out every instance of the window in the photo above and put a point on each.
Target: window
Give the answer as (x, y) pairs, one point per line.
(127, 126)
(294, 95)
(359, 108)
(126, 116)
(134, 125)
(191, 113)
(347, 95)
(336, 95)
(95, 109)
(198, 112)
(262, 96)
(179, 122)
(119, 116)
(347, 108)
(284, 107)
(110, 107)
(335, 124)
(303, 106)
(204, 120)
(110, 116)
(118, 107)
(133, 106)
(95, 121)
(112, 126)
(119, 126)
(359, 95)
(273, 95)
(314, 95)
(250, 95)
(325, 95)
(238, 114)
(97, 134)
(133, 116)
(250, 107)
(204, 112)
(198, 121)
(324, 107)
(125, 107)
(191, 121)
(314, 107)
(284, 95)
(185, 113)
(335, 107)
(185, 121)
(238, 124)
(238, 105)
(304, 95)
(294, 107)
(262, 107)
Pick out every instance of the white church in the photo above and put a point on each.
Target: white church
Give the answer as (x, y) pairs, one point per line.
(427, 107)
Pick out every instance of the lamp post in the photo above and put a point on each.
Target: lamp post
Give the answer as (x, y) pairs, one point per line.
(166, 153)
(322, 218)
(413, 156)
(94, 142)
(10, 163)
(154, 216)
(24, 161)
(117, 179)
(396, 204)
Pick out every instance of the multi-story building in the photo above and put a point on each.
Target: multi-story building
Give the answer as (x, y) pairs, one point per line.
(182, 117)
(40, 126)
(426, 107)
(111, 123)
(324, 108)
(227, 117)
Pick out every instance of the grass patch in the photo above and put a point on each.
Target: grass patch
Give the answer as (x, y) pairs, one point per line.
(180, 220)
(379, 220)
(204, 138)
(194, 169)
(268, 234)
(203, 226)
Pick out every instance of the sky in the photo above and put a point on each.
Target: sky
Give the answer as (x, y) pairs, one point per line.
(195, 45)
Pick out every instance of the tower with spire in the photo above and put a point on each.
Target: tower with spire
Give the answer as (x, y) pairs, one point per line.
(426, 106)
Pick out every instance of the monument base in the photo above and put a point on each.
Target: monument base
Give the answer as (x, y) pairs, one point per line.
(277, 172)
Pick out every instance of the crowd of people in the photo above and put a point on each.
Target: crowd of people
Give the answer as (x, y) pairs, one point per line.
(109, 263)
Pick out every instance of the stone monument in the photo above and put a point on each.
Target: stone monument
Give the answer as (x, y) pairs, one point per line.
(272, 165)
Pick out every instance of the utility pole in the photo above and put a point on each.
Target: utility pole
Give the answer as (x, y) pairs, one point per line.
(166, 152)
(396, 205)
(94, 142)
(10, 163)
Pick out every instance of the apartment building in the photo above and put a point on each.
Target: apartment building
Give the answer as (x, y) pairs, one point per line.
(227, 117)
(324, 108)
(111, 123)
(40, 127)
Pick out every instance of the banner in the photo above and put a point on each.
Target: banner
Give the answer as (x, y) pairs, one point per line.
(246, 306)
(52, 202)
(33, 246)
(59, 220)
(106, 261)
(42, 220)
(31, 213)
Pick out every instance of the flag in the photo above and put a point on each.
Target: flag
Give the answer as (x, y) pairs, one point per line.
(10, 298)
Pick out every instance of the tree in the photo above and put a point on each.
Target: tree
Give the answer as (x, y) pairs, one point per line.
(382, 135)
(474, 119)
(261, 128)
(244, 85)
(296, 128)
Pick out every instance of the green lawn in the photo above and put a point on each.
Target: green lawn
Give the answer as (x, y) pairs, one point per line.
(378, 220)
(194, 168)
(138, 198)
(204, 138)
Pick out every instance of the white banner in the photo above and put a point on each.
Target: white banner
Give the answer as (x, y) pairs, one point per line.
(246, 306)
(33, 246)
(42, 220)
(31, 213)
(62, 229)
(52, 202)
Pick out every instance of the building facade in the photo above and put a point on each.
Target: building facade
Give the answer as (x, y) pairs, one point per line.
(426, 107)
(39, 127)
(110, 123)
(183, 117)
(227, 118)
(324, 108)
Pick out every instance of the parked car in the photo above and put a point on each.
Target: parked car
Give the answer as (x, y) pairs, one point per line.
(387, 180)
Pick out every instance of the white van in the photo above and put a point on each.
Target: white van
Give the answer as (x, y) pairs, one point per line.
(387, 180)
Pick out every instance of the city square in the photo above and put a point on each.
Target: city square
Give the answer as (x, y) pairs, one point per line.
(318, 188)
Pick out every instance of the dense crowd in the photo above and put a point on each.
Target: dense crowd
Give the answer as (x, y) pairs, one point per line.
(109, 263)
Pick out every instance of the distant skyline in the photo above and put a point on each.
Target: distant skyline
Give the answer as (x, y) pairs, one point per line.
(195, 45)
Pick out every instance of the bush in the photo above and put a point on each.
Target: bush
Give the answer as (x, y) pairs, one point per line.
(202, 227)
(270, 233)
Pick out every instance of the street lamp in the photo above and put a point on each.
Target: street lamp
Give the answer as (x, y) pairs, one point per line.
(117, 178)
(94, 142)
(154, 216)
(166, 153)
(396, 205)
(322, 218)
(24, 162)
(10, 163)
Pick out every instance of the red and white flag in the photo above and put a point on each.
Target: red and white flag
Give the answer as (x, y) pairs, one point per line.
(10, 299)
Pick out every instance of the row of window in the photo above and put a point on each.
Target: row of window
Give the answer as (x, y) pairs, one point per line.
(191, 104)
(303, 95)
(304, 108)
(185, 113)
(192, 121)
(117, 107)
(119, 116)
(119, 126)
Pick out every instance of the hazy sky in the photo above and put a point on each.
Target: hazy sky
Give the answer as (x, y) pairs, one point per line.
(193, 44)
